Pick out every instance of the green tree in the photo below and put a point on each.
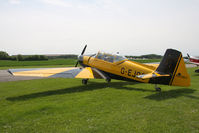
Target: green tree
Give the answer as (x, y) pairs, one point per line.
(43, 57)
(20, 57)
(3, 55)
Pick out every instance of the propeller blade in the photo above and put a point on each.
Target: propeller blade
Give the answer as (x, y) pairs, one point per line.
(84, 50)
(188, 55)
(81, 54)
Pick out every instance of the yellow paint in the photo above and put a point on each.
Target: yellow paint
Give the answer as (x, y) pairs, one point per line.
(181, 78)
(42, 72)
(85, 73)
(131, 67)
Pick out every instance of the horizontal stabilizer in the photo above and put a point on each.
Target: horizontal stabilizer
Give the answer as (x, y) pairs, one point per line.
(152, 75)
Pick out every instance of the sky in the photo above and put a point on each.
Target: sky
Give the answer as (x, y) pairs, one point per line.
(131, 27)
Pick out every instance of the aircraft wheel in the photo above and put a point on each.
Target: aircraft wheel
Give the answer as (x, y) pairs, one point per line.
(197, 71)
(108, 80)
(84, 81)
(158, 89)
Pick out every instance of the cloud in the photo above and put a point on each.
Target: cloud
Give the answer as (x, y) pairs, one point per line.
(14, 1)
(57, 3)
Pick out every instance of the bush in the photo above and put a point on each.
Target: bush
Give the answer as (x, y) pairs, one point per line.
(35, 57)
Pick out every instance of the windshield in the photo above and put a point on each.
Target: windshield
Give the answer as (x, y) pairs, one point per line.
(110, 57)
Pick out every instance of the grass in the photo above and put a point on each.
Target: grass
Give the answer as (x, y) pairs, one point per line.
(5, 64)
(65, 105)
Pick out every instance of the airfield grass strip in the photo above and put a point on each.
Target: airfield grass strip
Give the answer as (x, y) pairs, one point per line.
(65, 105)
(7, 63)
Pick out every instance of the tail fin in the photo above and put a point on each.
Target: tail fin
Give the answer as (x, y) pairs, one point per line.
(173, 64)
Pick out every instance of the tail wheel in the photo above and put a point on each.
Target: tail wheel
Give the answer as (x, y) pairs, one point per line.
(158, 89)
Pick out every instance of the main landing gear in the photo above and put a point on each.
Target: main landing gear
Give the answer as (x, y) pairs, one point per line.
(158, 89)
(84, 81)
(108, 80)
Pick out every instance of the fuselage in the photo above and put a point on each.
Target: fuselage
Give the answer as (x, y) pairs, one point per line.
(121, 68)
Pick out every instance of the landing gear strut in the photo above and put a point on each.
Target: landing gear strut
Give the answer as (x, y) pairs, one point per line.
(84, 81)
(158, 89)
(108, 80)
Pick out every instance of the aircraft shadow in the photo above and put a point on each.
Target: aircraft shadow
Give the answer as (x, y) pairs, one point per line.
(196, 74)
(172, 94)
(95, 86)
(89, 87)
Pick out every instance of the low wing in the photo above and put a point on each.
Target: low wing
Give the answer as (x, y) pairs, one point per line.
(152, 75)
(70, 72)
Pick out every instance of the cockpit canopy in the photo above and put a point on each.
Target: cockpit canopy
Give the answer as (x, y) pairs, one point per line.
(109, 57)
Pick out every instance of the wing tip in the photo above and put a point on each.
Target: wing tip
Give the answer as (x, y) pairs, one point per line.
(9, 71)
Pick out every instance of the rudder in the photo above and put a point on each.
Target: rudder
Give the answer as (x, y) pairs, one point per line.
(172, 64)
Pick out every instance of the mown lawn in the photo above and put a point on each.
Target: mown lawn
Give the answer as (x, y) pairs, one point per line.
(65, 105)
(5, 64)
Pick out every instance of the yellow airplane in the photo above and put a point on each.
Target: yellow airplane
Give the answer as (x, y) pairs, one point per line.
(171, 70)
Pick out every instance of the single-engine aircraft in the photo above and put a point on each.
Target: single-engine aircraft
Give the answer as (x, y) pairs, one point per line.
(194, 60)
(170, 71)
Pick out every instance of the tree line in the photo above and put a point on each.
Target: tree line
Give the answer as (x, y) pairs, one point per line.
(68, 56)
(148, 56)
(19, 57)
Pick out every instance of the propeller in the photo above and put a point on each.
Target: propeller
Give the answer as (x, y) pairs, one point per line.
(84, 50)
(188, 55)
(81, 54)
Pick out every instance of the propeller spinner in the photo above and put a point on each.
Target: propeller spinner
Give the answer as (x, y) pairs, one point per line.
(80, 57)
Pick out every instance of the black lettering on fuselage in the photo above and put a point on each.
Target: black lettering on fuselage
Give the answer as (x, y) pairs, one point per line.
(122, 70)
(129, 72)
(134, 74)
